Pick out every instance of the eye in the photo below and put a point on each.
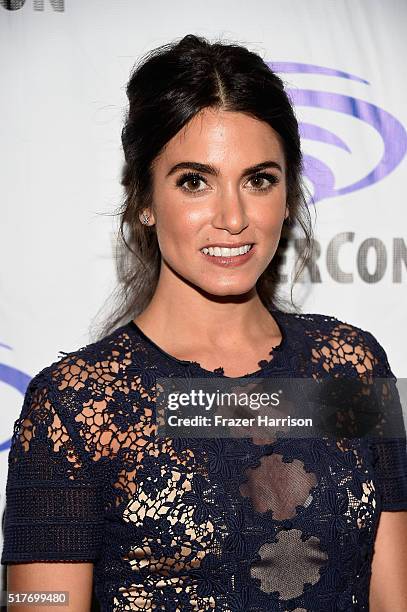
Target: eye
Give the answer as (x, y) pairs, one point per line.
(193, 179)
(265, 181)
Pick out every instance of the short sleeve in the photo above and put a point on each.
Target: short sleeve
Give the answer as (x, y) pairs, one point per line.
(389, 450)
(53, 509)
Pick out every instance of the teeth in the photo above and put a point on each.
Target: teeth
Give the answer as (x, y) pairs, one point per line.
(226, 252)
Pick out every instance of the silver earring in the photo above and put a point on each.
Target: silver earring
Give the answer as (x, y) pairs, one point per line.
(145, 219)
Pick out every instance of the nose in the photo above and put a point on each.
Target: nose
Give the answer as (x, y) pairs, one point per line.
(230, 211)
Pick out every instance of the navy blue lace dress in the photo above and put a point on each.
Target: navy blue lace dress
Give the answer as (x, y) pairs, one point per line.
(207, 524)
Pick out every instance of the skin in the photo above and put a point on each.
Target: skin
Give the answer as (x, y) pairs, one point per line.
(201, 311)
(76, 578)
(388, 585)
(213, 315)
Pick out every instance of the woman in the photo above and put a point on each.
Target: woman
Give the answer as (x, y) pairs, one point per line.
(213, 162)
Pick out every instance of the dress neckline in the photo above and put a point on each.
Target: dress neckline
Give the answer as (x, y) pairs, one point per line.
(264, 364)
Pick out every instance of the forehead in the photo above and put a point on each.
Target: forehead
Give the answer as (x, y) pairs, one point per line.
(224, 138)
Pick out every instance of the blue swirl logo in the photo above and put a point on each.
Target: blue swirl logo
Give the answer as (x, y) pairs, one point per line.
(17, 380)
(391, 131)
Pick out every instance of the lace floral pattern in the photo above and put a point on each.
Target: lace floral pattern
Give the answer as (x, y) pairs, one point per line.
(230, 525)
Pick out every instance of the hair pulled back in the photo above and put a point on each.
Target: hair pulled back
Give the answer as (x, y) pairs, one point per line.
(167, 88)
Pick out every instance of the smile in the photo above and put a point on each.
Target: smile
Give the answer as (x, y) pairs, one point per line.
(226, 252)
(227, 257)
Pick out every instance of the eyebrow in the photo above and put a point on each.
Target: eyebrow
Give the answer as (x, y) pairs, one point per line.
(209, 169)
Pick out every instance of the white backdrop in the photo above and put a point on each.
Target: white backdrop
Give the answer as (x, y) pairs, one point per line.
(64, 66)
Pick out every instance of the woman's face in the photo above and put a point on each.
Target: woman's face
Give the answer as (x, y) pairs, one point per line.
(220, 181)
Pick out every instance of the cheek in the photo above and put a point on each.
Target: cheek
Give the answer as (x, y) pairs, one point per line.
(177, 229)
(270, 219)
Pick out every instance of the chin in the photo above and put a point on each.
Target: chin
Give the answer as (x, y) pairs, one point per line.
(224, 289)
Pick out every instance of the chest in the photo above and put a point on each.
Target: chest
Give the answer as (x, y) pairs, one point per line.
(245, 513)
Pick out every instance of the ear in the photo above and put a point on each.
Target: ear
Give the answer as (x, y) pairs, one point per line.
(287, 212)
(150, 215)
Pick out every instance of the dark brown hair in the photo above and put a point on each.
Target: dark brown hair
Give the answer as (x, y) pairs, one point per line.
(166, 89)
